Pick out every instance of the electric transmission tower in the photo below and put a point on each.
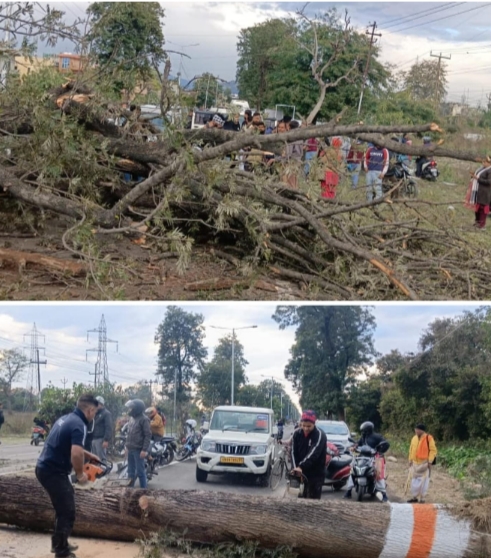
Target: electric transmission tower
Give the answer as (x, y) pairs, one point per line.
(34, 375)
(101, 370)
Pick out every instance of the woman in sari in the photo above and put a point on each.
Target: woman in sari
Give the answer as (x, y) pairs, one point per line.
(479, 193)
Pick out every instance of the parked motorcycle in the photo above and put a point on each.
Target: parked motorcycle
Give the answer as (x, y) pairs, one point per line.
(150, 469)
(190, 446)
(364, 470)
(338, 467)
(39, 431)
(163, 450)
(429, 169)
(400, 172)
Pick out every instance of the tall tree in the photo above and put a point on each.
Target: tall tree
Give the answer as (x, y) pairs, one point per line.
(127, 39)
(181, 355)
(426, 80)
(333, 345)
(214, 383)
(13, 364)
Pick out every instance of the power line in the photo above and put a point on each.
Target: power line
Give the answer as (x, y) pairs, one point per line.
(428, 12)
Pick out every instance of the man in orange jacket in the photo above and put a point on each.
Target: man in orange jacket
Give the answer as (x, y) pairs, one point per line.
(422, 456)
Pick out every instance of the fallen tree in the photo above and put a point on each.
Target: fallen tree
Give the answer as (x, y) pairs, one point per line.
(312, 529)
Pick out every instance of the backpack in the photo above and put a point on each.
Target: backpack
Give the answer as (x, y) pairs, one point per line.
(161, 413)
(428, 442)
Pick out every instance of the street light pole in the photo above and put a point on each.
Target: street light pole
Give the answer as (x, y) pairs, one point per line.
(233, 330)
(175, 402)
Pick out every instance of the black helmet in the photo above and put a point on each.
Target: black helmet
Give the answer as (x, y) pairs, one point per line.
(135, 407)
(367, 427)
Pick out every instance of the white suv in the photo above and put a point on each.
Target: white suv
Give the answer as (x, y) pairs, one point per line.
(240, 440)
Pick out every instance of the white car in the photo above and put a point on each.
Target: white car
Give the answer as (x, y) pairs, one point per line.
(337, 432)
(241, 440)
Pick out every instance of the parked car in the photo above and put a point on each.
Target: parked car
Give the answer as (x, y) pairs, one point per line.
(240, 440)
(337, 432)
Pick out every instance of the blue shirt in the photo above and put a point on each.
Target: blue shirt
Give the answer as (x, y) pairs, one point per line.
(69, 430)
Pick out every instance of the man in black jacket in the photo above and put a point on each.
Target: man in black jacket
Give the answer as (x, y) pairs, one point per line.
(103, 430)
(309, 445)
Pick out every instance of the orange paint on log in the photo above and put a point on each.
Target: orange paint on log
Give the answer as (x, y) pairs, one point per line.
(423, 531)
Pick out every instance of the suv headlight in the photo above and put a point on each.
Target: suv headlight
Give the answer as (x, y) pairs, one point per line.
(259, 449)
(208, 445)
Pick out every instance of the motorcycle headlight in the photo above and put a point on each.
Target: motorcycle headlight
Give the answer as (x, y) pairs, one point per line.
(208, 445)
(259, 449)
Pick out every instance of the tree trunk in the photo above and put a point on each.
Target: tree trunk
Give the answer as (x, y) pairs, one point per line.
(313, 529)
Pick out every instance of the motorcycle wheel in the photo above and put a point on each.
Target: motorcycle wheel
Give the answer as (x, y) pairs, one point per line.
(412, 189)
(36, 442)
(169, 456)
(182, 454)
(337, 486)
(360, 492)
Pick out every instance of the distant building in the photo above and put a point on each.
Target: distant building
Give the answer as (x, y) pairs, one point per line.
(25, 65)
(71, 63)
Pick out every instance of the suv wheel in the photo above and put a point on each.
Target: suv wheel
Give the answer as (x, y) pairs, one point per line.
(201, 475)
(265, 477)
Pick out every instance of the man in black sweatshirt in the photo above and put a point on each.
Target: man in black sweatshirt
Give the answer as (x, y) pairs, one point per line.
(309, 445)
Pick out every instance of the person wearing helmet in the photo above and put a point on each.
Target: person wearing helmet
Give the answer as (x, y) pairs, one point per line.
(103, 430)
(138, 439)
(370, 438)
(156, 423)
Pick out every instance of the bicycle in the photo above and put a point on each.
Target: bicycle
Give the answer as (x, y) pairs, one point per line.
(280, 467)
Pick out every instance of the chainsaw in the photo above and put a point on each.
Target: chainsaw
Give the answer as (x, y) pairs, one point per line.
(95, 470)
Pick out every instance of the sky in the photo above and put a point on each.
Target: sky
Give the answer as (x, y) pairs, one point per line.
(207, 32)
(133, 326)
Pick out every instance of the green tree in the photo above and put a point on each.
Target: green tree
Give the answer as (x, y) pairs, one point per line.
(13, 365)
(214, 383)
(251, 395)
(181, 355)
(333, 345)
(127, 40)
(426, 80)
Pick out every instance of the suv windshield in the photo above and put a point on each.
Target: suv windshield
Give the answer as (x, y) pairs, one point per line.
(334, 429)
(240, 421)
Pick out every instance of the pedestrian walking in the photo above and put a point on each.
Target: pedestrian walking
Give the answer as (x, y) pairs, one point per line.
(478, 196)
(62, 451)
(376, 164)
(103, 430)
(422, 456)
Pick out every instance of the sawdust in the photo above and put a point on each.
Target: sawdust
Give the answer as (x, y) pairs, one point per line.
(479, 513)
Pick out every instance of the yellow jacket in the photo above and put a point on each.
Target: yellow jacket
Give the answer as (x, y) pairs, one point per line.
(422, 449)
(157, 425)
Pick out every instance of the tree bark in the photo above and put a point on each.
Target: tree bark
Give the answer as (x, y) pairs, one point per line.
(313, 529)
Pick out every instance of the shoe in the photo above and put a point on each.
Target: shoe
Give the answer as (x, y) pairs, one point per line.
(412, 501)
(347, 495)
(422, 501)
(384, 498)
(71, 548)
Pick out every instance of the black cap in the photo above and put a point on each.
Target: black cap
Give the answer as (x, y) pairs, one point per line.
(420, 426)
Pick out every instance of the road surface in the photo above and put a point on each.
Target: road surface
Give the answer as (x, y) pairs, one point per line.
(18, 456)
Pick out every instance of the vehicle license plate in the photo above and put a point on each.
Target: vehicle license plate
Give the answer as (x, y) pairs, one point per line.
(234, 460)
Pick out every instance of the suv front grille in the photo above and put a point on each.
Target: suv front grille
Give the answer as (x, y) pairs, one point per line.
(229, 449)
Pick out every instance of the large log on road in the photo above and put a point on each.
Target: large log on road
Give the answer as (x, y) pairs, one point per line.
(313, 529)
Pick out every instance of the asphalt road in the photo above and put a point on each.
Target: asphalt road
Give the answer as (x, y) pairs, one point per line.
(15, 457)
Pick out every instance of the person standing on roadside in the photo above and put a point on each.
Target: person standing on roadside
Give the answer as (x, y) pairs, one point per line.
(308, 454)
(137, 441)
(376, 165)
(422, 456)
(354, 162)
(62, 451)
(103, 430)
(2, 417)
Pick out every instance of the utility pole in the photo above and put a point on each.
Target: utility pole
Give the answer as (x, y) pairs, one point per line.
(439, 56)
(367, 65)
(64, 382)
(34, 376)
(101, 370)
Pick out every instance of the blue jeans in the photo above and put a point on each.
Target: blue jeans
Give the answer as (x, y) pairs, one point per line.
(309, 155)
(354, 169)
(374, 185)
(136, 468)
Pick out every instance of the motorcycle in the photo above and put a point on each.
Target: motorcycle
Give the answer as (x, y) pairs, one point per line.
(39, 433)
(364, 471)
(429, 169)
(162, 451)
(400, 172)
(150, 469)
(338, 467)
(190, 446)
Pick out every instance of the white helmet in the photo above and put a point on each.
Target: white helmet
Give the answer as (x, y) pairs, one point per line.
(101, 400)
(191, 423)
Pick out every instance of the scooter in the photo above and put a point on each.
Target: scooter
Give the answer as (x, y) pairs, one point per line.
(364, 472)
(38, 434)
(338, 467)
(400, 172)
(429, 169)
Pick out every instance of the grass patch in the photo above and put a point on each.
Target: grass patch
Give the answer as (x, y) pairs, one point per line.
(18, 424)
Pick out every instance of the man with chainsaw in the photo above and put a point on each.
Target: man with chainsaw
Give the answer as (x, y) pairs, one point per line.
(422, 456)
(137, 441)
(308, 454)
(64, 449)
